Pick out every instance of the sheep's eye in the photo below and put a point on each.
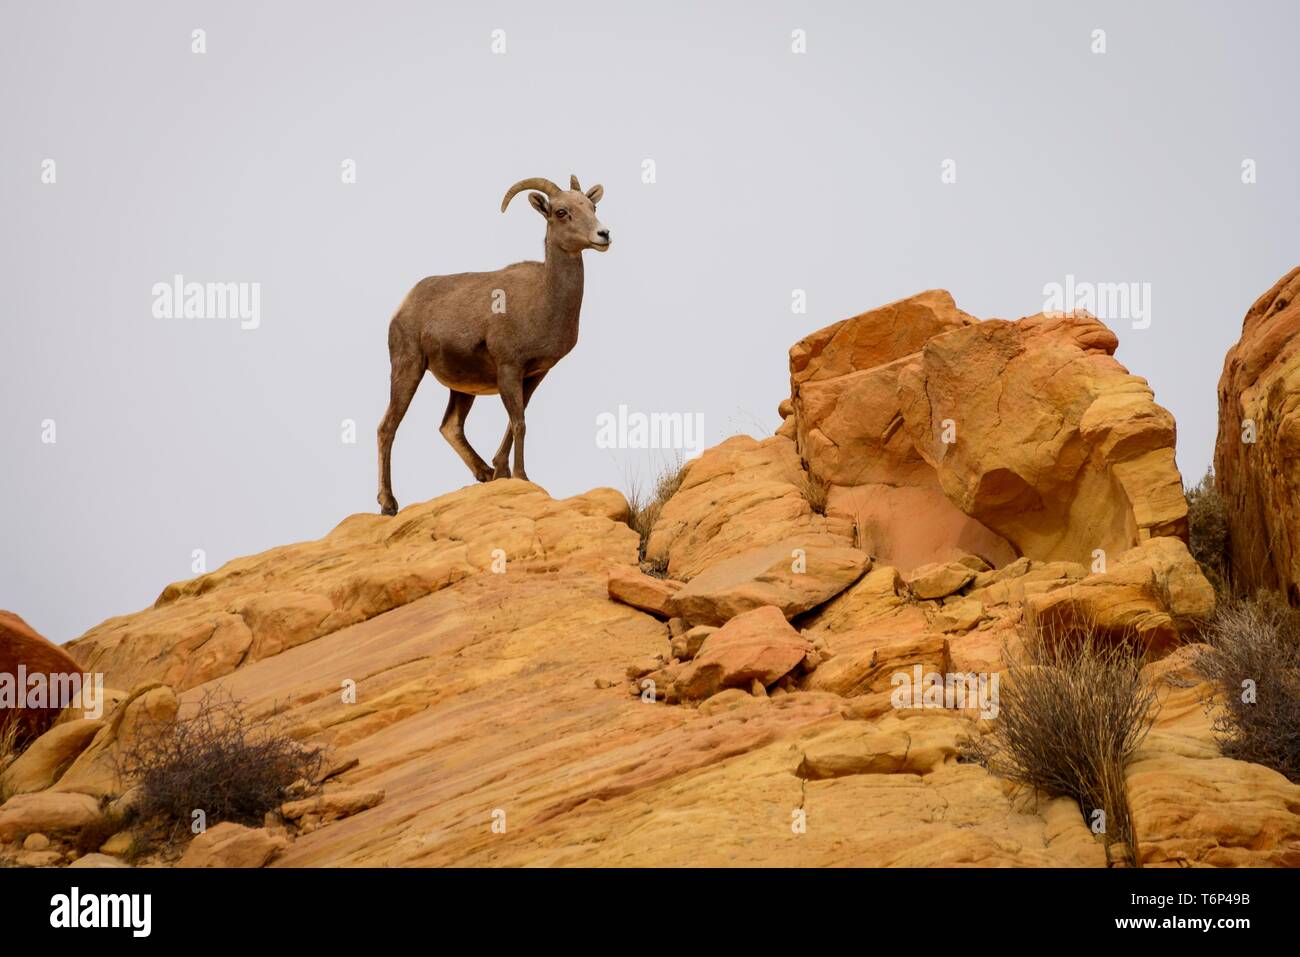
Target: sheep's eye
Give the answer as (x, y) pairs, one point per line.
(561, 213)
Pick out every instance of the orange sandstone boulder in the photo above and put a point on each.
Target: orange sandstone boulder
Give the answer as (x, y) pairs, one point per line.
(738, 496)
(941, 434)
(875, 337)
(634, 587)
(758, 645)
(940, 580)
(850, 434)
(46, 812)
(233, 845)
(1036, 431)
(263, 605)
(792, 575)
(46, 758)
(1154, 593)
(1257, 454)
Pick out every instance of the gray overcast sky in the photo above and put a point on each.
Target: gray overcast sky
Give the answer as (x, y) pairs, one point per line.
(775, 171)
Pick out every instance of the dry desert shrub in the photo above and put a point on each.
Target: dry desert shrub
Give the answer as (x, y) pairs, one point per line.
(643, 510)
(1253, 667)
(1072, 709)
(218, 761)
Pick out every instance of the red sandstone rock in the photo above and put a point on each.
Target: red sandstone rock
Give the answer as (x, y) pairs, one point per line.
(20, 645)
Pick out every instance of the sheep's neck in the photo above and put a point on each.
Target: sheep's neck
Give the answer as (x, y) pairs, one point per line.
(563, 285)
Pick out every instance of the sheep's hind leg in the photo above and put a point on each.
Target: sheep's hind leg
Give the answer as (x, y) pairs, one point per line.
(407, 372)
(453, 430)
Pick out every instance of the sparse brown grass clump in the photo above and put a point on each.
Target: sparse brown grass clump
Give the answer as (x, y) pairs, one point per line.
(815, 490)
(10, 746)
(1072, 710)
(218, 761)
(1208, 537)
(1253, 666)
(643, 510)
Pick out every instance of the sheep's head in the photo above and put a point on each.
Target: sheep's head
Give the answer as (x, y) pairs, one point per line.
(570, 213)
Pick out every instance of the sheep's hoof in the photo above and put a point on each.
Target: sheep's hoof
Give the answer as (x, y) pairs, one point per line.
(483, 475)
(502, 472)
(388, 508)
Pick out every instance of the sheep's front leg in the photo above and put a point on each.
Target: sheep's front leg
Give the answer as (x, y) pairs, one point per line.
(530, 386)
(510, 383)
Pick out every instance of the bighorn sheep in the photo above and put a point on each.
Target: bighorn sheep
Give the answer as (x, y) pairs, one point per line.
(488, 332)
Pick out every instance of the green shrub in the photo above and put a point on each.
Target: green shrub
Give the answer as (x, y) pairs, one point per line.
(1208, 537)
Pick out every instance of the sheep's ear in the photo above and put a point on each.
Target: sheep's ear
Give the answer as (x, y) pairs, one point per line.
(540, 203)
(595, 193)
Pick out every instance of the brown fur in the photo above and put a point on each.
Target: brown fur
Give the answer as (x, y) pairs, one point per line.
(447, 325)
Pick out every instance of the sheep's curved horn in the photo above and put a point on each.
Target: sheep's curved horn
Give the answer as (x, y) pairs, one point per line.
(573, 183)
(537, 182)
